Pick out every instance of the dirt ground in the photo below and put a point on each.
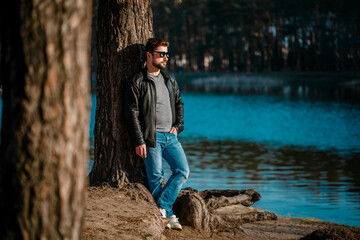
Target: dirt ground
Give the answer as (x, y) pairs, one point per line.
(114, 214)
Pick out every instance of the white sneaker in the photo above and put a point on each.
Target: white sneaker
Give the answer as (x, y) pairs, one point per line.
(163, 212)
(174, 223)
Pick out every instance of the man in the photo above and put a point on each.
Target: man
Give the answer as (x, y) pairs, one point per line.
(154, 112)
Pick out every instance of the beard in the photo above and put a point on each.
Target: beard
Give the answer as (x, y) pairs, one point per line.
(160, 65)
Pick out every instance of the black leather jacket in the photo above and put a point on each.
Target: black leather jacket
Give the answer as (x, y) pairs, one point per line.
(140, 109)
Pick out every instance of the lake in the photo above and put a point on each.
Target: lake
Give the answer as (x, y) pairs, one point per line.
(302, 157)
(294, 138)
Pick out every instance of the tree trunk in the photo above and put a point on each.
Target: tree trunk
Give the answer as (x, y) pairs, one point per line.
(123, 27)
(45, 48)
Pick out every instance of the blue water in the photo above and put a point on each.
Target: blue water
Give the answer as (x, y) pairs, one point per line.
(301, 154)
(273, 120)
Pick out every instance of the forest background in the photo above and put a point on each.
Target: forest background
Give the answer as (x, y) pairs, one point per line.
(256, 35)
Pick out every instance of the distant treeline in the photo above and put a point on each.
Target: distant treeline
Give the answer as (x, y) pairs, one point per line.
(260, 35)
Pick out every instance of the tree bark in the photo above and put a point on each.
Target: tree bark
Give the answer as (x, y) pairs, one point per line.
(198, 209)
(45, 48)
(123, 27)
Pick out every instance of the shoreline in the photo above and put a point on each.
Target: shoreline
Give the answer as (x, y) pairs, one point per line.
(113, 213)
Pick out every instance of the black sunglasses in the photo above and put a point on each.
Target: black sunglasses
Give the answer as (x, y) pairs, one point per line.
(162, 54)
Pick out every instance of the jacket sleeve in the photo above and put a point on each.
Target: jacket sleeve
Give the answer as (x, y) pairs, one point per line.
(179, 109)
(132, 94)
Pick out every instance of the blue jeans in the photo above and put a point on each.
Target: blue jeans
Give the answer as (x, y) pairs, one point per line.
(169, 148)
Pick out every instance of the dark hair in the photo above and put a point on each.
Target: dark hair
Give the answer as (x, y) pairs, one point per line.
(153, 43)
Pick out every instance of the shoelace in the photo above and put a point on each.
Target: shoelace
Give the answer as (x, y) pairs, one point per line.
(176, 219)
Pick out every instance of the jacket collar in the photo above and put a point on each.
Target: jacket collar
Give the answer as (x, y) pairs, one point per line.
(163, 73)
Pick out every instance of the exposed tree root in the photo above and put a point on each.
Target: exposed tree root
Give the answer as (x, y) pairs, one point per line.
(197, 209)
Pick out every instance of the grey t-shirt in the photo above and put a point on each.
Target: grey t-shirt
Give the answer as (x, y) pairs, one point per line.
(163, 109)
